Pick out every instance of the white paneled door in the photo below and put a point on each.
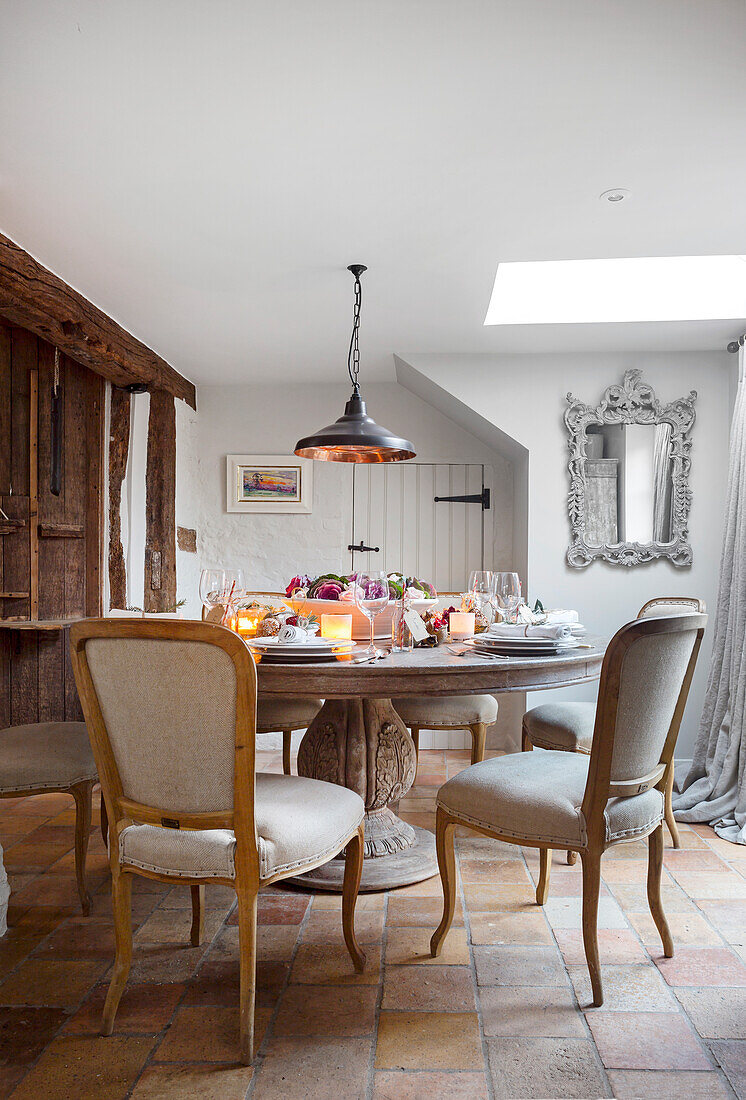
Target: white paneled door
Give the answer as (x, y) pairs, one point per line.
(395, 510)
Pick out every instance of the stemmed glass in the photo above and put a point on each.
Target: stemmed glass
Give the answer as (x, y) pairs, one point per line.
(482, 587)
(212, 587)
(372, 597)
(234, 580)
(508, 594)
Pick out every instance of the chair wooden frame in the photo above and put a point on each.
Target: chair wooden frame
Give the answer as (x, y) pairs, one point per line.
(122, 811)
(83, 794)
(599, 788)
(478, 732)
(698, 607)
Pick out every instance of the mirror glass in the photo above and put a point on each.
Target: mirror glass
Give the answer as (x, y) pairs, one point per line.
(628, 483)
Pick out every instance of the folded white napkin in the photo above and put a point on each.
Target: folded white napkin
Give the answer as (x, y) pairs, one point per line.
(291, 634)
(559, 615)
(559, 633)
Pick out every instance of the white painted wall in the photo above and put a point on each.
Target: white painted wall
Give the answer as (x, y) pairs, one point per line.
(524, 395)
(188, 496)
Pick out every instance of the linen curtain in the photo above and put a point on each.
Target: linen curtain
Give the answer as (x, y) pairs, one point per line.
(714, 789)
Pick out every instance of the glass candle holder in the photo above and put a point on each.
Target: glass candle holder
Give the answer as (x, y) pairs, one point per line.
(461, 625)
(246, 622)
(336, 628)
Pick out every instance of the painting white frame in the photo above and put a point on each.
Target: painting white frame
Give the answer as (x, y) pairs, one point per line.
(304, 466)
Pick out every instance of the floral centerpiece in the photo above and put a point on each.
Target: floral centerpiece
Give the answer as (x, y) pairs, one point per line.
(334, 593)
(336, 587)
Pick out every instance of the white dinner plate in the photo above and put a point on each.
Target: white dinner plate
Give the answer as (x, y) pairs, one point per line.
(317, 645)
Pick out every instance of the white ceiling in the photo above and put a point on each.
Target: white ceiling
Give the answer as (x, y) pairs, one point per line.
(205, 171)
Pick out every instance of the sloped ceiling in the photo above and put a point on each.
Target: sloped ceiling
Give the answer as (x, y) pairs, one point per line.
(205, 171)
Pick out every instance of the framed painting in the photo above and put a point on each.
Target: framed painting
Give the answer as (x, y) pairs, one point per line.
(269, 483)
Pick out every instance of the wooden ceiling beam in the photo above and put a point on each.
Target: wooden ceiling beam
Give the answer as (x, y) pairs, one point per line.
(35, 299)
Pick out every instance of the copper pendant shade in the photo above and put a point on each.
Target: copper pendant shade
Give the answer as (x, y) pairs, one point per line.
(355, 437)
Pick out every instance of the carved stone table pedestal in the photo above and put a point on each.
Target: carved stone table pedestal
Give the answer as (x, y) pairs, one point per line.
(363, 744)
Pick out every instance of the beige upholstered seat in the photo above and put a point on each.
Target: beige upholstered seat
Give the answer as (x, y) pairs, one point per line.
(53, 756)
(290, 828)
(171, 711)
(450, 712)
(510, 794)
(278, 714)
(45, 756)
(570, 801)
(569, 726)
(564, 726)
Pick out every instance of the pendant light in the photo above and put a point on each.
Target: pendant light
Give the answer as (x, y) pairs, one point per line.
(355, 437)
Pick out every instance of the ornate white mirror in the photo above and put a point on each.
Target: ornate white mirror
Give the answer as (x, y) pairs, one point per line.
(629, 465)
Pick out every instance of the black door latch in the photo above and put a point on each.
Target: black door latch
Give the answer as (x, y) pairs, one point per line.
(361, 548)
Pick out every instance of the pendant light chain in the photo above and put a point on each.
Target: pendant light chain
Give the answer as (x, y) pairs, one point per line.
(353, 355)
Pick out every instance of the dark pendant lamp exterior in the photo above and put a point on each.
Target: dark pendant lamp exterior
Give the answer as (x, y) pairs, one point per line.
(355, 437)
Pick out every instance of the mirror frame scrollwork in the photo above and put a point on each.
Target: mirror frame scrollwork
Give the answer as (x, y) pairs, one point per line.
(634, 402)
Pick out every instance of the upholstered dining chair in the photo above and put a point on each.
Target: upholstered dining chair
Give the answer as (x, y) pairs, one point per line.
(171, 712)
(569, 726)
(566, 800)
(453, 712)
(278, 713)
(49, 757)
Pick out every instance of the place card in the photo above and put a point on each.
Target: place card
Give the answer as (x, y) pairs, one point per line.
(414, 621)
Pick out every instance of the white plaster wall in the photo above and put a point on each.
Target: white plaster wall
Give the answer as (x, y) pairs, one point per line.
(525, 396)
(188, 494)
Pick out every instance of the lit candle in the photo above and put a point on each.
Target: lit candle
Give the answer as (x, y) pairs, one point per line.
(338, 628)
(461, 625)
(246, 622)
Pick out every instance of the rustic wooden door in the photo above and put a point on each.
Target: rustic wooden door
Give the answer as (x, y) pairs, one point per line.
(395, 509)
(50, 544)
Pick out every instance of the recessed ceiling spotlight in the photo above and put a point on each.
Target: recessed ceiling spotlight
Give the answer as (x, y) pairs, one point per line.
(616, 194)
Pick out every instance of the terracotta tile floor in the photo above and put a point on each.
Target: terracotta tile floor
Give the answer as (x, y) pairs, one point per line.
(502, 1013)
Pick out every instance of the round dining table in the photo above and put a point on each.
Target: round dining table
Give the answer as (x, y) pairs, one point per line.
(359, 741)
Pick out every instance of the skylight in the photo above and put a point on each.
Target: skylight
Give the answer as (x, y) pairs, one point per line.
(659, 288)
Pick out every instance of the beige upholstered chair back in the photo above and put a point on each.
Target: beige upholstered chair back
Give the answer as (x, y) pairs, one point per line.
(671, 605)
(644, 683)
(167, 695)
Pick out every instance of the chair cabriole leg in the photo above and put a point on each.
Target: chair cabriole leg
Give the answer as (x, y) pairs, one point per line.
(83, 795)
(655, 867)
(444, 832)
(350, 887)
(287, 741)
(545, 864)
(591, 887)
(247, 906)
(478, 741)
(668, 808)
(121, 895)
(197, 933)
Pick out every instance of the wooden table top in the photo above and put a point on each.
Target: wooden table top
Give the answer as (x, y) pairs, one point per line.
(432, 671)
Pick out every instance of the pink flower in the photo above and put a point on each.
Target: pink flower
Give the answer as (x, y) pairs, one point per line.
(297, 582)
(329, 590)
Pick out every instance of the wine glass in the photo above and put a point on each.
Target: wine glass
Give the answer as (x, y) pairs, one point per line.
(482, 587)
(372, 597)
(212, 587)
(508, 594)
(234, 579)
